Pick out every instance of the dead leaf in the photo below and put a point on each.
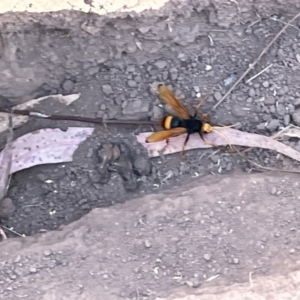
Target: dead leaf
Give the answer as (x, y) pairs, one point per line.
(234, 136)
(46, 146)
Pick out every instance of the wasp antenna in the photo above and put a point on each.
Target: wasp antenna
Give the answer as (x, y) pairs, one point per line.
(224, 137)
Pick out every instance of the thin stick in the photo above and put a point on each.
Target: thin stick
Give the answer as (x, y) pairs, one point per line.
(259, 73)
(11, 230)
(77, 118)
(2, 234)
(251, 66)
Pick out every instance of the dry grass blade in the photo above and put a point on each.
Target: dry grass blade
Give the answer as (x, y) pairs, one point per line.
(235, 137)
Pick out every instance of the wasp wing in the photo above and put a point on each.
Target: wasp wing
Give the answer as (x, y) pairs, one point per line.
(168, 97)
(165, 134)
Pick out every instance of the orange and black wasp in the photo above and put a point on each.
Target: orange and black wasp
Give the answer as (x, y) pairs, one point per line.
(184, 122)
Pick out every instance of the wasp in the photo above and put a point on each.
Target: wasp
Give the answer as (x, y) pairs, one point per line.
(183, 123)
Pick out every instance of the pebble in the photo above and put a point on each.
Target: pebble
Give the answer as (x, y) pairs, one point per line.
(160, 64)
(131, 83)
(93, 71)
(286, 120)
(47, 252)
(217, 96)
(236, 260)
(130, 69)
(215, 158)
(173, 73)
(17, 259)
(214, 230)
(281, 109)
(292, 251)
(193, 283)
(296, 117)
(269, 100)
(196, 88)
(273, 190)
(142, 165)
(68, 86)
(251, 93)
(207, 256)
(32, 270)
(7, 208)
(107, 89)
(261, 126)
(273, 125)
(266, 84)
(147, 244)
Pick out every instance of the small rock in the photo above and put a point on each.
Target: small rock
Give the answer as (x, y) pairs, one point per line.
(7, 208)
(196, 88)
(214, 230)
(281, 109)
(286, 120)
(147, 244)
(131, 83)
(236, 260)
(173, 73)
(217, 96)
(207, 256)
(189, 283)
(193, 283)
(266, 84)
(107, 89)
(142, 165)
(238, 111)
(93, 71)
(296, 117)
(68, 86)
(251, 93)
(215, 158)
(261, 126)
(273, 190)
(273, 125)
(160, 64)
(292, 251)
(32, 270)
(17, 259)
(47, 252)
(269, 100)
(130, 69)
(230, 79)
(208, 67)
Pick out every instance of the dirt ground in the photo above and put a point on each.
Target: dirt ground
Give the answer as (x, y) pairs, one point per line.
(210, 234)
(192, 225)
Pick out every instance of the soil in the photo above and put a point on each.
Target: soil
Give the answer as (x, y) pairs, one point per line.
(212, 233)
(111, 60)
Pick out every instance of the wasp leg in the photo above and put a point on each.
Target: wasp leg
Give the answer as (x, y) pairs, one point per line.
(206, 142)
(199, 104)
(185, 142)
